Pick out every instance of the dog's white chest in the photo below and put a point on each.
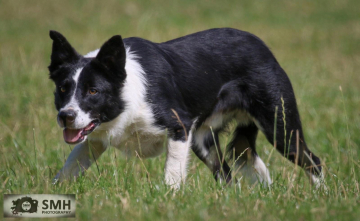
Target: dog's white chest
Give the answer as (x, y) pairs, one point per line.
(138, 139)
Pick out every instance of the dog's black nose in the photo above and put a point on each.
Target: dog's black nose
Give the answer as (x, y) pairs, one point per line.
(67, 117)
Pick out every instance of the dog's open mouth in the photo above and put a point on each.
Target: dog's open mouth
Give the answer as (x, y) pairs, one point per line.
(73, 136)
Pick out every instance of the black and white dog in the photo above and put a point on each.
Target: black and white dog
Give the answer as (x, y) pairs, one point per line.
(135, 94)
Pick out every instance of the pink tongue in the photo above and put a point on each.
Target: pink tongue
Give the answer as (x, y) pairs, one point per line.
(72, 135)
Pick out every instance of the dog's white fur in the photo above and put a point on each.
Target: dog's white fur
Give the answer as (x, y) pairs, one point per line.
(176, 161)
(256, 171)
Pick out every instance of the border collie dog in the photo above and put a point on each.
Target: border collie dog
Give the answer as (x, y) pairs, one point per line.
(135, 94)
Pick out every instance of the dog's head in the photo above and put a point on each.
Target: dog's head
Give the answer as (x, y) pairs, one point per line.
(87, 88)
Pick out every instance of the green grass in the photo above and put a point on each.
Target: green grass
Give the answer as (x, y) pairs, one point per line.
(316, 42)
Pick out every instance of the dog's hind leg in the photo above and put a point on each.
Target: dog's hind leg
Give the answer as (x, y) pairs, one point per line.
(206, 146)
(289, 137)
(262, 105)
(242, 151)
(290, 140)
(80, 159)
(260, 100)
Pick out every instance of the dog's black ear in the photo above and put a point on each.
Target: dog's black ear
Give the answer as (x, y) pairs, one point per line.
(112, 56)
(62, 51)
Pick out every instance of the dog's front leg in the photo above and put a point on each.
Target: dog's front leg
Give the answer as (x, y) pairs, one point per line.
(80, 159)
(176, 162)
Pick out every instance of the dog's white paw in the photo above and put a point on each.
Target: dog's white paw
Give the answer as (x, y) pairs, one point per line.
(318, 182)
(173, 181)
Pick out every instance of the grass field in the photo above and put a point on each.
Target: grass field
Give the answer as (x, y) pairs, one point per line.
(316, 42)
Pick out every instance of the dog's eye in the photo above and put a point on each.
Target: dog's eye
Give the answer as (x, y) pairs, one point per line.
(92, 91)
(62, 89)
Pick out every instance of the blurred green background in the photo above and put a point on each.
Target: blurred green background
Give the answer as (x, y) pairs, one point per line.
(316, 42)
